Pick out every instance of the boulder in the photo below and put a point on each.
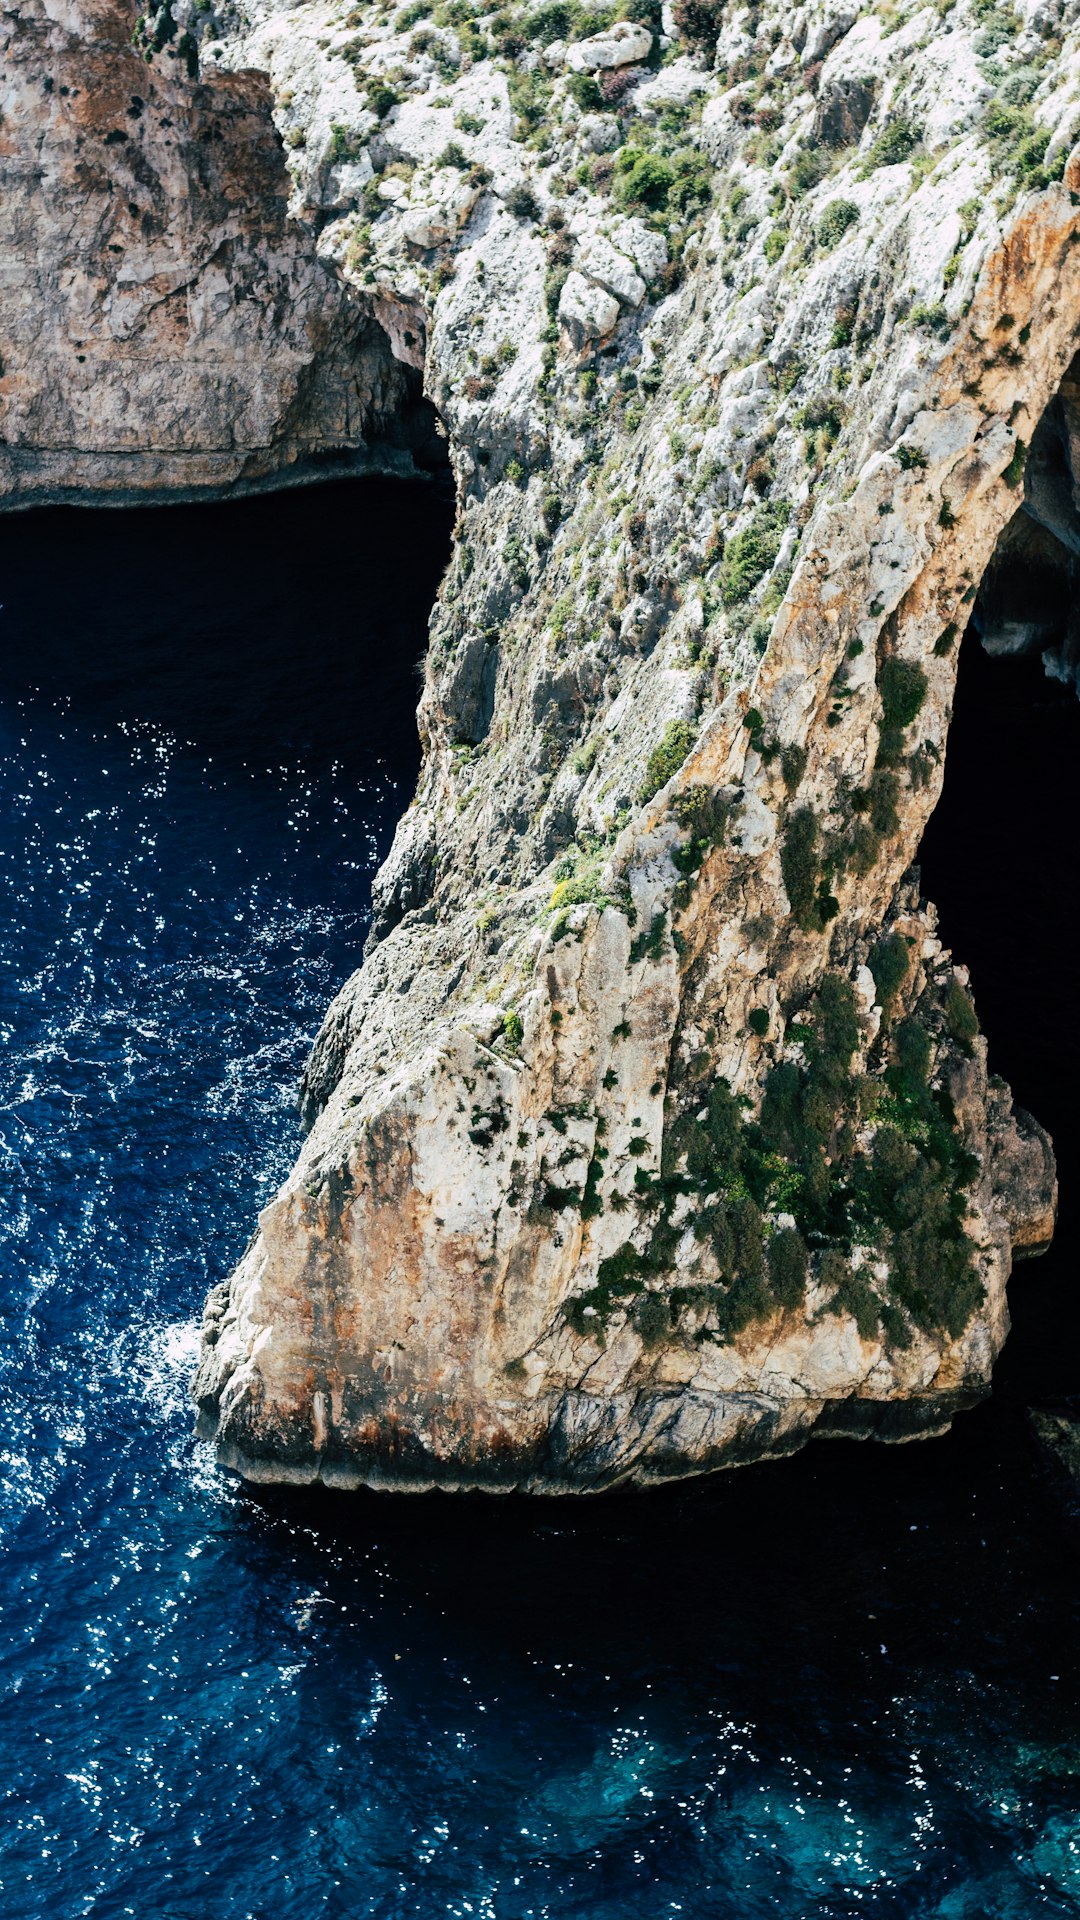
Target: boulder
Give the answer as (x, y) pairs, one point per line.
(611, 269)
(621, 45)
(587, 312)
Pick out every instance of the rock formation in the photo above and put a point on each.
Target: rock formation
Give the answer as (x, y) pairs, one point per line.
(654, 1133)
(165, 328)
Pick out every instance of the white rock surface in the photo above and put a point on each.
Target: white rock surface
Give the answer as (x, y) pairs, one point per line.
(621, 45)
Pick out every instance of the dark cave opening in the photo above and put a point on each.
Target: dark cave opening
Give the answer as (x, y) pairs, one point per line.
(287, 625)
(997, 859)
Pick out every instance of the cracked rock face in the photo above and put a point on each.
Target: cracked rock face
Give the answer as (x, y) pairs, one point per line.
(165, 327)
(654, 1133)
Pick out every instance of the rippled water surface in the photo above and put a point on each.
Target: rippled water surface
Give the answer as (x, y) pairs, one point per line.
(844, 1685)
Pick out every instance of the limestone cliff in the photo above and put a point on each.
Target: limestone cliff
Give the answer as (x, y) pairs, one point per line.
(165, 327)
(654, 1134)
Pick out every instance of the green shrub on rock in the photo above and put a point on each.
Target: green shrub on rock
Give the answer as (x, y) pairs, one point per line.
(749, 555)
(837, 218)
(642, 179)
(667, 758)
(897, 142)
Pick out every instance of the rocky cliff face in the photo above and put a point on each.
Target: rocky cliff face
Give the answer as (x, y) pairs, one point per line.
(165, 327)
(654, 1133)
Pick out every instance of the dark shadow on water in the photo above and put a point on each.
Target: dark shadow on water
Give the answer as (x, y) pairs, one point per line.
(824, 1577)
(291, 623)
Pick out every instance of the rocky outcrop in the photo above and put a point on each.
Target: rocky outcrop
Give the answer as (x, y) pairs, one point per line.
(654, 1133)
(165, 327)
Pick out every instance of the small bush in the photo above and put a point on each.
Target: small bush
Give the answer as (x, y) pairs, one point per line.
(896, 143)
(698, 21)
(843, 327)
(555, 21)
(811, 166)
(520, 201)
(758, 1021)
(889, 965)
(642, 179)
(750, 554)
(902, 684)
(910, 458)
(382, 98)
(667, 758)
(513, 1030)
(1014, 472)
(1017, 145)
(787, 1267)
(793, 766)
(652, 1319)
(799, 863)
(584, 92)
(854, 1295)
(838, 217)
(961, 1019)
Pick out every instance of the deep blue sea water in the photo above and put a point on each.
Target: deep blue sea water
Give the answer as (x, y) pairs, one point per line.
(843, 1685)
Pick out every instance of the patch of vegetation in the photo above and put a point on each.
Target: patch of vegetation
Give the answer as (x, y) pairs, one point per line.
(896, 142)
(810, 167)
(579, 879)
(1017, 146)
(654, 183)
(1014, 472)
(902, 686)
(752, 553)
(961, 1019)
(895, 1193)
(793, 766)
(521, 201)
(705, 814)
(806, 878)
(666, 758)
(890, 963)
(382, 98)
(584, 92)
(650, 945)
(698, 21)
(838, 218)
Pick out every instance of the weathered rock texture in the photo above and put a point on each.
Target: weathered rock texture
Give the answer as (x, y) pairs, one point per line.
(165, 327)
(654, 1134)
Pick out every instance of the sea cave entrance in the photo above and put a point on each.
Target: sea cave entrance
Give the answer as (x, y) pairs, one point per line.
(288, 623)
(998, 858)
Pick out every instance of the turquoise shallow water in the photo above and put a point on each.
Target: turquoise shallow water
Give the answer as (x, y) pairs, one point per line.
(845, 1685)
